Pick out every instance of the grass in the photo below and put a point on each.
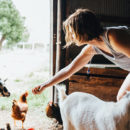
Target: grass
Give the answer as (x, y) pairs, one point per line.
(26, 80)
(34, 101)
(6, 102)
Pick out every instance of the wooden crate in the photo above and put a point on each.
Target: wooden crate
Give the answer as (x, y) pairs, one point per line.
(104, 81)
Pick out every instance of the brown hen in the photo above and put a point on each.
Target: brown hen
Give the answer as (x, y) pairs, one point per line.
(53, 111)
(20, 108)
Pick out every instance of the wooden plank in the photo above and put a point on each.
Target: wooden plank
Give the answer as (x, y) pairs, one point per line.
(103, 82)
(96, 81)
(102, 66)
(105, 71)
(102, 92)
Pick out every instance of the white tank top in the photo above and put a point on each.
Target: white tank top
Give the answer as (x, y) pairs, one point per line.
(119, 59)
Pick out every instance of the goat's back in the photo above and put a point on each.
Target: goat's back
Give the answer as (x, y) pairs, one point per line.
(87, 112)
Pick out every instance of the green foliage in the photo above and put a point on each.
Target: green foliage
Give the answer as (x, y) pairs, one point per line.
(12, 23)
(17, 80)
(6, 102)
(38, 101)
(34, 101)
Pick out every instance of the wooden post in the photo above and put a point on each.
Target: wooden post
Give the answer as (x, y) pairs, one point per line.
(58, 43)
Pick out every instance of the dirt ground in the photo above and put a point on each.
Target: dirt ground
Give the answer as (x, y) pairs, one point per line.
(34, 119)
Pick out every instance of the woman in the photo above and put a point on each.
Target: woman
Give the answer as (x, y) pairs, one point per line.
(83, 28)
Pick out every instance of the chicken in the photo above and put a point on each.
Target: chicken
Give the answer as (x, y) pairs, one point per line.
(20, 108)
(53, 111)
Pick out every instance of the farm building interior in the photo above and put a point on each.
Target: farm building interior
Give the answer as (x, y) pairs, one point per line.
(105, 78)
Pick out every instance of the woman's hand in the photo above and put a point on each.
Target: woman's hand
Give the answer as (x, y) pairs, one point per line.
(38, 89)
(82, 59)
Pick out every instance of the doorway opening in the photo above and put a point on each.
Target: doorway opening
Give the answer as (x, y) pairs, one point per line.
(25, 63)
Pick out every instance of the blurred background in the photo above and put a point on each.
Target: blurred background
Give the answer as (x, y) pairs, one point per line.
(24, 55)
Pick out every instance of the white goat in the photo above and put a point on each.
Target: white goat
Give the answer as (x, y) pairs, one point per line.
(83, 111)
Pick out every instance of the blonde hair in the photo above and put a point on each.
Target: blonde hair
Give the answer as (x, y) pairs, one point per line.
(84, 25)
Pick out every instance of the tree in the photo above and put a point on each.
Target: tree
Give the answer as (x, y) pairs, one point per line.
(12, 27)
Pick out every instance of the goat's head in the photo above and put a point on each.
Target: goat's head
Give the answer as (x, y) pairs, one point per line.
(53, 111)
(3, 90)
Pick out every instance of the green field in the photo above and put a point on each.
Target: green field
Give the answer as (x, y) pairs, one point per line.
(24, 70)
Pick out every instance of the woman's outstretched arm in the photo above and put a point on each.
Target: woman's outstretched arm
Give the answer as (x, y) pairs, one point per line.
(80, 61)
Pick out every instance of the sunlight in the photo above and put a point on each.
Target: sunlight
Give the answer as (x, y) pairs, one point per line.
(27, 65)
(37, 13)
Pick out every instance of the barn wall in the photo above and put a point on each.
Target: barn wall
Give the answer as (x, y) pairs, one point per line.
(110, 13)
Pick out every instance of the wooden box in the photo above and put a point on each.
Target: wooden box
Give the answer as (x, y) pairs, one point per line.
(103, 81)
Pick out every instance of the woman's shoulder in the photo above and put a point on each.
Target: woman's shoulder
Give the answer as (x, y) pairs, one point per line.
(118, 34)
(117, 28)
(88, 49)
(119, 38)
